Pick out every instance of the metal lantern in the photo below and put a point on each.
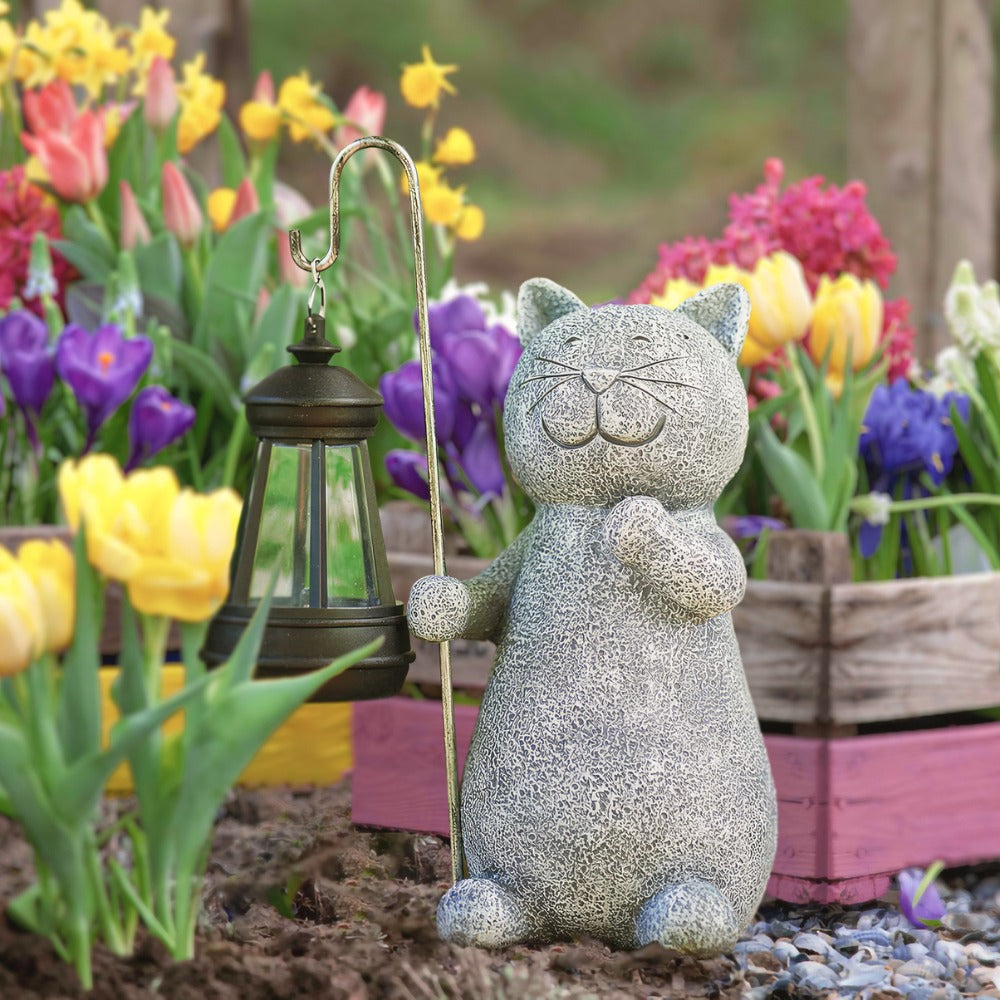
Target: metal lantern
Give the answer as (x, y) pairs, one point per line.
(310, 520)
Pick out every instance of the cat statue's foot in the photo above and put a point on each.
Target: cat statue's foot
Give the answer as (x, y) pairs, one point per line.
(438, 608)
(690, 917)
(479, 912)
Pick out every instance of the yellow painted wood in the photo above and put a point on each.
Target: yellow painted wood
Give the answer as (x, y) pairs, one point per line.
(313, 747)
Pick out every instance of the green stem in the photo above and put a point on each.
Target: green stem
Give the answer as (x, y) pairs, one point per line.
(928, 503)
(94, 213)
(392, 193)
(233, 449)
(808, 412)
(111, 931)
(155, 629)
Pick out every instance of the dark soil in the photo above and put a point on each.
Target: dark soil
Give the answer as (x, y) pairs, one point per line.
(299, 903)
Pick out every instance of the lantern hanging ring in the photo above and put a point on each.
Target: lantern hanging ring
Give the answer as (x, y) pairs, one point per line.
(317, 264)
(317, 284)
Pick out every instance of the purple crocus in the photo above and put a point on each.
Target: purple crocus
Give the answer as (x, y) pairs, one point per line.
(102, 368)
(472, 359)
(404, 401)
(481, 461)
(27, 361)
(929, 907)
(907, 432)
(409, 472)
(157, 419)
(462, 312)
(751, 525)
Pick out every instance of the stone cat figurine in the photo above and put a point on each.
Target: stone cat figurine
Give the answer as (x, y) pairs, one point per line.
(617, 784)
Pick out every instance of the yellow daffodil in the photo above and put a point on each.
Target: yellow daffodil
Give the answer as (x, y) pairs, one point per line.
(471, 222)
(442, 204)
(456, 148)
(260, 120)
(220, 207)
(33, 64)
(421, 83)
(8, 46)
(847, 317)
(189, 580)
(676, 291)
(151, 39)
(201, 98)
(22, 629)
(83, 48)
(427, 176)
(49, 564)
(299, 100)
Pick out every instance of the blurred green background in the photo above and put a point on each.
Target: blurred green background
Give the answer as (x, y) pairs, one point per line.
(603, 128)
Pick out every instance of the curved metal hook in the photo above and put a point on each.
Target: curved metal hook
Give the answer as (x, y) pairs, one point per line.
(314, 265)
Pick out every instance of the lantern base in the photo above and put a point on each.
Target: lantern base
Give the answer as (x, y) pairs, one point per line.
(297, 640)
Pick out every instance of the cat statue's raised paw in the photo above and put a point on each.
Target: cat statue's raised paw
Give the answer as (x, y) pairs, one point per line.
(617, 784)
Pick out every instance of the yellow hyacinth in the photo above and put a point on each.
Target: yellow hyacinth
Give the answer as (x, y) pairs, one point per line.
(299, 101)
(676, 291)
(49, 565)
(456, 149)
(220, 207)
(22, 627)
(847, 317)
(442, 204)
(201, 99)
(471, 223)
(422, 83)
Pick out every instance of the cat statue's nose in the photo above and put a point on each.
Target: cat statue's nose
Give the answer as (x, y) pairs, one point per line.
(599, 379)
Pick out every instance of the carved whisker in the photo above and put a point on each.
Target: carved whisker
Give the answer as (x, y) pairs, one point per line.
(551, 389)
(535, 378)
(562, 364)
(649, 364)
(666, 381)
(652, 395)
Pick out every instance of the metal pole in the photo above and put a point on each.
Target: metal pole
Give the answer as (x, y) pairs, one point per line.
(427, 383)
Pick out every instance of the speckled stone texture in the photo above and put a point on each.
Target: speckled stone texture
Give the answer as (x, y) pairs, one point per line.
(617, 784)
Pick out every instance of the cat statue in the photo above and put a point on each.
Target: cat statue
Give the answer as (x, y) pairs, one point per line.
(617, 784)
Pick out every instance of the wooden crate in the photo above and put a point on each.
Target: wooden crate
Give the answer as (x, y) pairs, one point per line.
(851, 812)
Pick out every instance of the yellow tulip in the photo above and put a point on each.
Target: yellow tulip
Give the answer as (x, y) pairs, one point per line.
(49, 564)
(144, 508)
(422, 83)
(190, 580)
(780, 303)
(22, 630)
(471, 223)
(220, 207)
(456, 149)
(847, 315)
(676, 291)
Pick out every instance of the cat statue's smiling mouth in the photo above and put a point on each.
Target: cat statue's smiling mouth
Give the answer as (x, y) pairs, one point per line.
(605, 436)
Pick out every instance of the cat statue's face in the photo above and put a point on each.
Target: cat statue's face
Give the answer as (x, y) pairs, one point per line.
(623, 401)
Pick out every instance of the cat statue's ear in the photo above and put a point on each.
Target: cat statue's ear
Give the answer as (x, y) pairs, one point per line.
(539, 302)
(723, 310)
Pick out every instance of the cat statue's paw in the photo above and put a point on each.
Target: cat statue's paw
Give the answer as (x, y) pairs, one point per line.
(438, 608)
(631, 524)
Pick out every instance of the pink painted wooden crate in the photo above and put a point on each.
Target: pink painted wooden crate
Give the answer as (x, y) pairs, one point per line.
(851, 812)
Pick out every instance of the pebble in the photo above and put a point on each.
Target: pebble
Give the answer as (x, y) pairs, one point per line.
(873, 953)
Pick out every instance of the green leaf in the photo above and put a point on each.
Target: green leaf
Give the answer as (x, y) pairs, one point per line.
(78, 705)
(203, 371)
(276, 328)
(234, 275)
(91, 264)
(234, 164)
(159, 266)
(264, 167)
(78, 228)
(795, 482)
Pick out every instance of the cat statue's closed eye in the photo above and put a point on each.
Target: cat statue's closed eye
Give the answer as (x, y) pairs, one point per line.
(617, 784)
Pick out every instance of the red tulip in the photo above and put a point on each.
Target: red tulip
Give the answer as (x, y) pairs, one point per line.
(160, 104)
(51, 109)
(134, 229)
(246, 202)
(181, 211)
(75, 161)
(366, 110)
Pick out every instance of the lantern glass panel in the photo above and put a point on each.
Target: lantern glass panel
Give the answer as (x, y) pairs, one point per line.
(288, 537)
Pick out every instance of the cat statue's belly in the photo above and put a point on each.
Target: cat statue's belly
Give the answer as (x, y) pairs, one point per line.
(617, 750)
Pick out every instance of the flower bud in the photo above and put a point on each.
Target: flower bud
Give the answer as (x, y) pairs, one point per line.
(181, 212)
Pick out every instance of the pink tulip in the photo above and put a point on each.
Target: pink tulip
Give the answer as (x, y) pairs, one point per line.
(161, 95)
(134, 229)
(246, 202)
(51, 109)
(263, 89)
(181, 211)
(366, 112)
(75, 161)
